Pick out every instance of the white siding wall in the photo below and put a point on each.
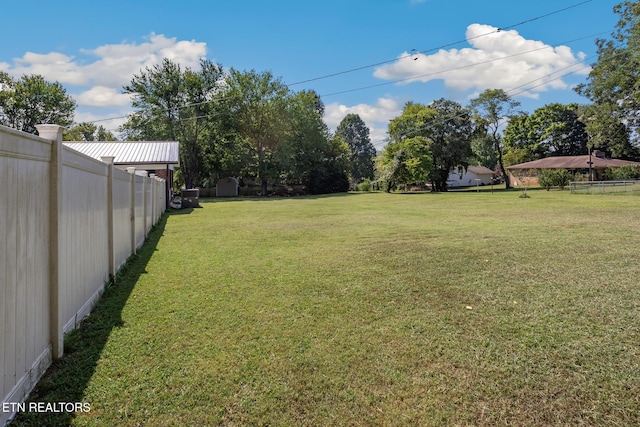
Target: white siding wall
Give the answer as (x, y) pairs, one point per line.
(37, 300)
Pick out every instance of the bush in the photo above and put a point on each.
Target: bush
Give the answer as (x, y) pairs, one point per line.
(563, 178)
(545, 179)
(623, 172)
(364, 185)
(327, 180)
(548, 178)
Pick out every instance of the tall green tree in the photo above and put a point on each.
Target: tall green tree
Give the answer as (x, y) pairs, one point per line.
(451, 131)
(445, 128)
(407, 158)
(309, 155)
(613, 82)
(484, 154)
(606, 132)
(552, 130)
(354, 131)
(519, 143)
(182, 105)
(31, 100)
(331, 174)
(405, 161)
(259, 102)
(491, 109)
(558, 130)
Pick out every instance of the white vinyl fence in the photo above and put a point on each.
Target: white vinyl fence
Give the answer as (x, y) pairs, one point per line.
(67, 223)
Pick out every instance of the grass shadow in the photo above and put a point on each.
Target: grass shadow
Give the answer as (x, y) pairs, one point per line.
(67, 378)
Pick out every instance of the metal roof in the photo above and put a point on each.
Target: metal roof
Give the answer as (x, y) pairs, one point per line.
(131, 152)
(573, 162)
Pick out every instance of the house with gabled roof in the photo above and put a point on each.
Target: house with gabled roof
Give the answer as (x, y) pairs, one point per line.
(593, 165)
(470, 177)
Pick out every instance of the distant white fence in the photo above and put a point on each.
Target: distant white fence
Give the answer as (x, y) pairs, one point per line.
(68, 222)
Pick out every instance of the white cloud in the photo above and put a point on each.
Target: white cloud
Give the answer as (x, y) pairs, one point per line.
(496, 59)
(118, 63)
(53, 66)
(101, 96)
(375, 116)
(103, 71)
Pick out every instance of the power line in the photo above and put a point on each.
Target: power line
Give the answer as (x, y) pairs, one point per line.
(457, 68)
(497, 30)
(108, 119)
(528, 87)
(416, 129)
(364, 67)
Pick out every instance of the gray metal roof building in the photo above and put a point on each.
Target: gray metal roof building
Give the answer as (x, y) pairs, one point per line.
(146, 154)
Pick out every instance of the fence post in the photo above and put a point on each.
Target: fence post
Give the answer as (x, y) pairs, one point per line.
(132, 211)
(153, 198)
(144, 204)
(112, 267)
(56, 333)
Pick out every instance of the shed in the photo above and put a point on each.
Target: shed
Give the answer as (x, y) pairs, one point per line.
(159, 157)
(227, 187)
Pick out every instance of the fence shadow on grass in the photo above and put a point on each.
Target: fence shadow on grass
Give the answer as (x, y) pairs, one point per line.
(67, 378)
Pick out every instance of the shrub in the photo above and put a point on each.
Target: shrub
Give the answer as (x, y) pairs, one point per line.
(364, 185)
(327, 180)
(563, 178)
(545, 179)
(548, 178)
(623, 172)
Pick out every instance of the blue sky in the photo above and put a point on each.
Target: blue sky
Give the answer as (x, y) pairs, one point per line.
(94, 48)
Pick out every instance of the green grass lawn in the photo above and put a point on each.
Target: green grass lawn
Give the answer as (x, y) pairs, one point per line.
(369, 309)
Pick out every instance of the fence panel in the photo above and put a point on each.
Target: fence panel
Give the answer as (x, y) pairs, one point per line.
(24, 263)
(161, 198)
(122, 223)
(84, 265)
(139, 209)
(149, 204)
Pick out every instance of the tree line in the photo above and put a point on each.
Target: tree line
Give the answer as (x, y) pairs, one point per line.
(229, 123)
(249, 124)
